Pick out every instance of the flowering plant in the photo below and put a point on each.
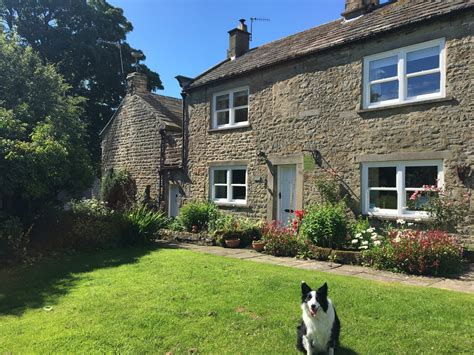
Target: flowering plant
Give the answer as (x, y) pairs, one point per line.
(432, 252)
(296, 223)
(280, 240)
(366, 239)
(445, 212)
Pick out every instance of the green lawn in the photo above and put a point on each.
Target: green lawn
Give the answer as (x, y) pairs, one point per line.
(169, 300)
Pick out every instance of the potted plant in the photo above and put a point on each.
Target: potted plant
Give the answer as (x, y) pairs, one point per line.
(257, 241)
(258, 245)
(231, 239)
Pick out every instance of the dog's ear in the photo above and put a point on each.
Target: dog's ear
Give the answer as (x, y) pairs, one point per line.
(305, 289)
(323, 290)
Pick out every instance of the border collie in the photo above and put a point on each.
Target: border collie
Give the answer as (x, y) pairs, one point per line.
(320, 326)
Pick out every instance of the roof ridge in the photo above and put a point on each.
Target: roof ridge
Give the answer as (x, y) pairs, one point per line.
(332, 34)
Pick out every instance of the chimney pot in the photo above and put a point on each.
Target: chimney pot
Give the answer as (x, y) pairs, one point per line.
(137, 83)
(239, 40)
(355, 8)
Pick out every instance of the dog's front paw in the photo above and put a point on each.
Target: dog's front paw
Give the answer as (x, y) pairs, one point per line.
(307, 345)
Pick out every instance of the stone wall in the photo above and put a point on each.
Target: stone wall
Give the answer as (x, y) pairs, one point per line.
(314, 103)
(132, 142)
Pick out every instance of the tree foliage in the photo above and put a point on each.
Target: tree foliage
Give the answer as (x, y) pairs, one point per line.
(78, 36)
(42, 138)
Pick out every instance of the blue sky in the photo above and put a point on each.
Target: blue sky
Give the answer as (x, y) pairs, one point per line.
(186, 37)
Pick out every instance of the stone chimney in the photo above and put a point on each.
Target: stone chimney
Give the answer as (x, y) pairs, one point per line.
(137, 83)
(239, 40)
(355, 8)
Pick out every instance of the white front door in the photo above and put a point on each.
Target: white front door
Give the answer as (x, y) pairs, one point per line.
(286, 193)
(173, 197)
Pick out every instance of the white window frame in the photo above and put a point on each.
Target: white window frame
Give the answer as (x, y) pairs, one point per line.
(402, 77)
(402, 211)
(229, 185)
(231, 108)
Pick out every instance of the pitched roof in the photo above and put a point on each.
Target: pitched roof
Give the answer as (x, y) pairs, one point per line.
(169, 110)
(385, 18)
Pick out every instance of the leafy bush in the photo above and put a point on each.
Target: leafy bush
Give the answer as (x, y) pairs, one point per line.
(145, 222)
(329, 189)
(175, 225)
(118, 189)
(418, 252)
(325, 225)
(279, 240)
(363, 235)
(445, 213)
(196, 216)
(13, 240)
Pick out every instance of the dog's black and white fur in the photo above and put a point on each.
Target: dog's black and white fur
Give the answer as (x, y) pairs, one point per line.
(320, 326)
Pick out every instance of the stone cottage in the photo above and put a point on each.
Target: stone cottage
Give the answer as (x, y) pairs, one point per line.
(383, 98)
(144, 136)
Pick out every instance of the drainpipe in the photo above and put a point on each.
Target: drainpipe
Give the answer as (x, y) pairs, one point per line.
(184, 123)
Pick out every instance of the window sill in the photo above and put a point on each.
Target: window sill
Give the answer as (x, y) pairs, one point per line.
(212, 130)
(407, 104)
(408, 218)
(232, 205)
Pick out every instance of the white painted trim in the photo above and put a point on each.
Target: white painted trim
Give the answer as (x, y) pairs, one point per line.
(231, 109)
(228, 184)
(400, 166)
(403, 76)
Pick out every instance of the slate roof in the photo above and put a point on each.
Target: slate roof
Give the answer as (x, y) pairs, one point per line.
(336, 33)
(170, 108)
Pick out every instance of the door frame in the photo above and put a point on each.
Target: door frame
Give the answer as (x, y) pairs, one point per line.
(272, 183)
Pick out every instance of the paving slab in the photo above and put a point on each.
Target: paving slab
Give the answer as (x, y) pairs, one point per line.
(465, 284)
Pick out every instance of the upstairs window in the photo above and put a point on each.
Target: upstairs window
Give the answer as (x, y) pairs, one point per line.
(407, 74)
(230, 108)
(229, 185)
(387, 187)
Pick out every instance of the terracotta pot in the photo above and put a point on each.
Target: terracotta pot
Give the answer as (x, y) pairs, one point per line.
(232, 243)
(258, 245)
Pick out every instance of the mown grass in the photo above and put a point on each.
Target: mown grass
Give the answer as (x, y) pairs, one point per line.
(169, 300)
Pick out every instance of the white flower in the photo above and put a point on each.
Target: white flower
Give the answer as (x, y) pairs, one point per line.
(370, 230)
(397, 239)
(365, 242)
(409, 224)
(354, 241)
(377, 242)
(401, 221)
(364, 247)
(358, 235)
(374, 237)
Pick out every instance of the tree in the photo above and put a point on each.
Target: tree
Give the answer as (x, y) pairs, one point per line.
(42, 138)
(78, 36)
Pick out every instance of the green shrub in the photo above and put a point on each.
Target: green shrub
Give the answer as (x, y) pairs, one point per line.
(145, 223)
(197, 216)
(175, 225)
(418, 252)
(13, 240)
(279, 240)
(329, 189)
(118, 189)
(325, 225)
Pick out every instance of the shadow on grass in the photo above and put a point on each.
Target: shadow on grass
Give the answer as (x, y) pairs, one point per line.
(345, 351)
(38, 285)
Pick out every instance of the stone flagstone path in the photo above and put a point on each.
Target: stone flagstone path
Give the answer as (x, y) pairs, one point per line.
(463, 284)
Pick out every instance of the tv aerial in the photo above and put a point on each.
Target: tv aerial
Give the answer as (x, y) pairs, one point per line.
(256, 19)
(137, 56)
